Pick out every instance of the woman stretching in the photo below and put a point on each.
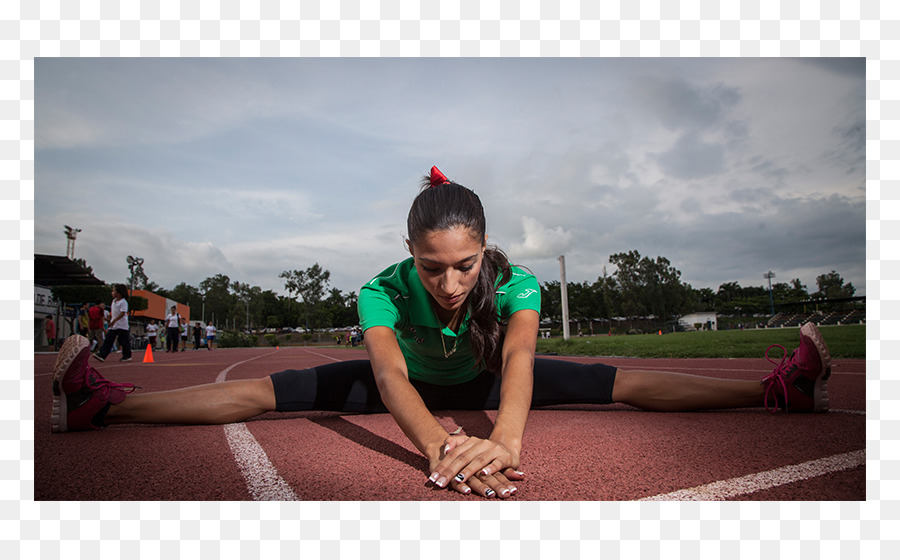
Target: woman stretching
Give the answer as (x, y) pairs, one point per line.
(453, 327)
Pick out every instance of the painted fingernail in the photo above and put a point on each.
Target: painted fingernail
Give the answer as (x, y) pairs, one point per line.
(520, 473)
(446, 448)
(505, 492)
(514, 490)
(460, 477)
(489, 493)
(433, 477)
(441, 482)
(466, 490)
(485, 471)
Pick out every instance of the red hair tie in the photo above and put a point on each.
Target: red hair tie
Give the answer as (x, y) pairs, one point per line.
(438, 178)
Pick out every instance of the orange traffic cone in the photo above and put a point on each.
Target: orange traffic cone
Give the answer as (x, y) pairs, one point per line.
(148, 355)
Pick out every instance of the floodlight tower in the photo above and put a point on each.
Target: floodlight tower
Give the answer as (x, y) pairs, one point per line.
(132, 263)
(71, 233)
(770, 275)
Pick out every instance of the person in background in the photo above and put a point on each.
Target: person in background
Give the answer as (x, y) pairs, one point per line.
(172, 324)
(197, 333)
(184, 333)
(84, 319)
(210, 336)
(50, 329)
(152, 330)
(96, 331)
(118, 326)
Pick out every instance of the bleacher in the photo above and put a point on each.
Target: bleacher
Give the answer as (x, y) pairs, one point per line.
(857, 316)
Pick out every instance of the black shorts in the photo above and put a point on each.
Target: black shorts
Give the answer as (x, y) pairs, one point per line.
(350, 387)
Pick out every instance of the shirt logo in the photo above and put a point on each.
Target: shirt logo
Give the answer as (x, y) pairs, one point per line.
(526, 293)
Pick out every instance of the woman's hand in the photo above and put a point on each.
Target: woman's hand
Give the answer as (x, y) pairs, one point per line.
(471, 464)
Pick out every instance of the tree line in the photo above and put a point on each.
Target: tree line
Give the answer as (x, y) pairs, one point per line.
(311, 302)
(639, 287)
(645, 287)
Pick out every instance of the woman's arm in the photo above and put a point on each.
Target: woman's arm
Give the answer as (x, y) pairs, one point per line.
(488, 466)
(401, 398)
(516, 383)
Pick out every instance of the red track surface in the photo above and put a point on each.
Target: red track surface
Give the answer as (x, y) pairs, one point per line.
(570, 453)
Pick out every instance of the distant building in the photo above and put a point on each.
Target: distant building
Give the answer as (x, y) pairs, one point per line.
(158, 307)
(706, 320)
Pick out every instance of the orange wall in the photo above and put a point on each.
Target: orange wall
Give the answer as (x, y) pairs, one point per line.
(158, 306)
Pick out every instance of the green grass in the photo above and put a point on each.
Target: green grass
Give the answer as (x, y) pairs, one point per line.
(846, 341)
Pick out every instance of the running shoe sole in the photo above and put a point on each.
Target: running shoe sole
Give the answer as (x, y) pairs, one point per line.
(71, 348)
(820, 391)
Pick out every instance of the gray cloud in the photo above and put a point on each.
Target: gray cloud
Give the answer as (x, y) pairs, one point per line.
(692, 158)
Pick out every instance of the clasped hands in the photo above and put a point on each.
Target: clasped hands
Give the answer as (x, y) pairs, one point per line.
(471, 464)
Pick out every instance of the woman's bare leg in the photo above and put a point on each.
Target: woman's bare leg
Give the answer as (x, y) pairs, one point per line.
(214, 403)
(667, 391)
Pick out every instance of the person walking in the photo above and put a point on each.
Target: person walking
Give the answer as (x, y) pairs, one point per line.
(96, 332)
(118, 326)
(210, 336)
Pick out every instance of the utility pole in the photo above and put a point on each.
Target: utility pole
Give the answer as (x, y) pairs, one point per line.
(563, 288)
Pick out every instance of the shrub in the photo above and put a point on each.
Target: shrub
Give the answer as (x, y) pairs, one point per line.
(234, 339)
(272, 339)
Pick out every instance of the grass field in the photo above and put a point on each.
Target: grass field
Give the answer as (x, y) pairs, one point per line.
(847, 341)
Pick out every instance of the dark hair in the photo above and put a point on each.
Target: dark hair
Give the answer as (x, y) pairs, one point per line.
(451, 205)
(122, 290)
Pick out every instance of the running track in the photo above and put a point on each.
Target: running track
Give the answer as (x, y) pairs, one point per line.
(571, 453)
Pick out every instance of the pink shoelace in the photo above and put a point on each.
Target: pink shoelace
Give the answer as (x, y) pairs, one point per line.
(99, 383)
(778, 375)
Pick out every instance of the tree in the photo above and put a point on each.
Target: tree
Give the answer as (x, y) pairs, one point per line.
(649, 286)
(216, 298)
(831, 286)
(188, 295)
(790, 292)
(310, 285)
(551, 301)
(83, 264)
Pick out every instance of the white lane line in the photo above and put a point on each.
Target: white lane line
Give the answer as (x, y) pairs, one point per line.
(765, 480)
(261, 476)
(323, 356)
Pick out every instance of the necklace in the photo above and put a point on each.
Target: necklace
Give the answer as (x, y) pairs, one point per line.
(441, 333)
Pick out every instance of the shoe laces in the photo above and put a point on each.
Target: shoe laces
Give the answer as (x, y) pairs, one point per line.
(103, 386)
(778, 377)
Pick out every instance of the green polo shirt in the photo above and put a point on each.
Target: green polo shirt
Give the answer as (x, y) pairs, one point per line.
(397, 299)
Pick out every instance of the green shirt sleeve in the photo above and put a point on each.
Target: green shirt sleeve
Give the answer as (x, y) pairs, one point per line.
(521, 292)
(378, 301)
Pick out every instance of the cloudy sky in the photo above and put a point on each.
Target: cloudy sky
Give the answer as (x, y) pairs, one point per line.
(248, 167)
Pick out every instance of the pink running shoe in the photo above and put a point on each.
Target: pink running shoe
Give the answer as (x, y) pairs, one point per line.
(798, 383)
(81, 396)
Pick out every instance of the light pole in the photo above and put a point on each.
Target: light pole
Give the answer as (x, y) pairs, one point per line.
(132, 263)
(770, 275)
(71, 233)
(564, 294)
